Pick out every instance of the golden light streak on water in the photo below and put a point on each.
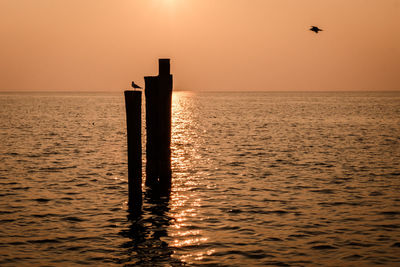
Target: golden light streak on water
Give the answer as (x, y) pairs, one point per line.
(185, 202)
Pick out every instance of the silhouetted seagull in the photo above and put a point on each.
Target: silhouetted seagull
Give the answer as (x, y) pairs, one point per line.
(135, 86)
(315, 29)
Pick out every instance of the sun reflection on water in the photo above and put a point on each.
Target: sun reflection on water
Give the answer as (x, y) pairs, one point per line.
(185, 201)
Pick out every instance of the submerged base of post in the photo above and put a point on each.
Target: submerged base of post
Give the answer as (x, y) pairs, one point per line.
(133, 104)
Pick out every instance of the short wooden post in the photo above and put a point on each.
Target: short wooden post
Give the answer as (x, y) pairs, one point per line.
(158, 91)
(133, 104)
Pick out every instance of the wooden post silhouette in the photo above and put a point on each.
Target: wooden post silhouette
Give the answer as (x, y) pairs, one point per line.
(158, 91)
(133, 104)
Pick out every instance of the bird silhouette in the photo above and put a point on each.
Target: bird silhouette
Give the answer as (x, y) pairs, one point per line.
(135, 86)
(315, 29)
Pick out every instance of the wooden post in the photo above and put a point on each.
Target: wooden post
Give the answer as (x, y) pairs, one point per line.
(165, 100)
(158, 91)
(133, 104)
(151, 90)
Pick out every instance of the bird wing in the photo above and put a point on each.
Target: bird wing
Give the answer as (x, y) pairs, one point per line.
(134, 85)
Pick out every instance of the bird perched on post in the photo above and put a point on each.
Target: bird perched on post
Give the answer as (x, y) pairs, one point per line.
(315, 29)
(135, 86)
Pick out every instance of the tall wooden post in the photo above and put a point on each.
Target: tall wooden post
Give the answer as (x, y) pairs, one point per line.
(158, 91)
(133, 104)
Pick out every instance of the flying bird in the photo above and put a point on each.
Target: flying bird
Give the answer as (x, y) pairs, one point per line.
(315, 29)
(135, 86)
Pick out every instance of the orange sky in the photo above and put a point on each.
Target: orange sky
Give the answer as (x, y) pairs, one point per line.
(252, 45)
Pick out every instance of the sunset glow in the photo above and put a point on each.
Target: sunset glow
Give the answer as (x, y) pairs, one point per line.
(199, 132)
(214, 45)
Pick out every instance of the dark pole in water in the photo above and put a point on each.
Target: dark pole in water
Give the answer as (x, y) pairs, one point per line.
(158, 91)
(133, 104)
(165, 99)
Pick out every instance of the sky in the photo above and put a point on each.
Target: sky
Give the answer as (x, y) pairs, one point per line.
(235, 45)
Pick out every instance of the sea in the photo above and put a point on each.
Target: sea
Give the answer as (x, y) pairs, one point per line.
(258, 179)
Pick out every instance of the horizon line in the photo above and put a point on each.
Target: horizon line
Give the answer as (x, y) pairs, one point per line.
(180, 90)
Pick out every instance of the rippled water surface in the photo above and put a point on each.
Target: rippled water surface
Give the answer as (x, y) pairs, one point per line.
(281, 179)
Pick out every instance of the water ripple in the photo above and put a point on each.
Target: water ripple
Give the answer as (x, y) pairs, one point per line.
(259, 179)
